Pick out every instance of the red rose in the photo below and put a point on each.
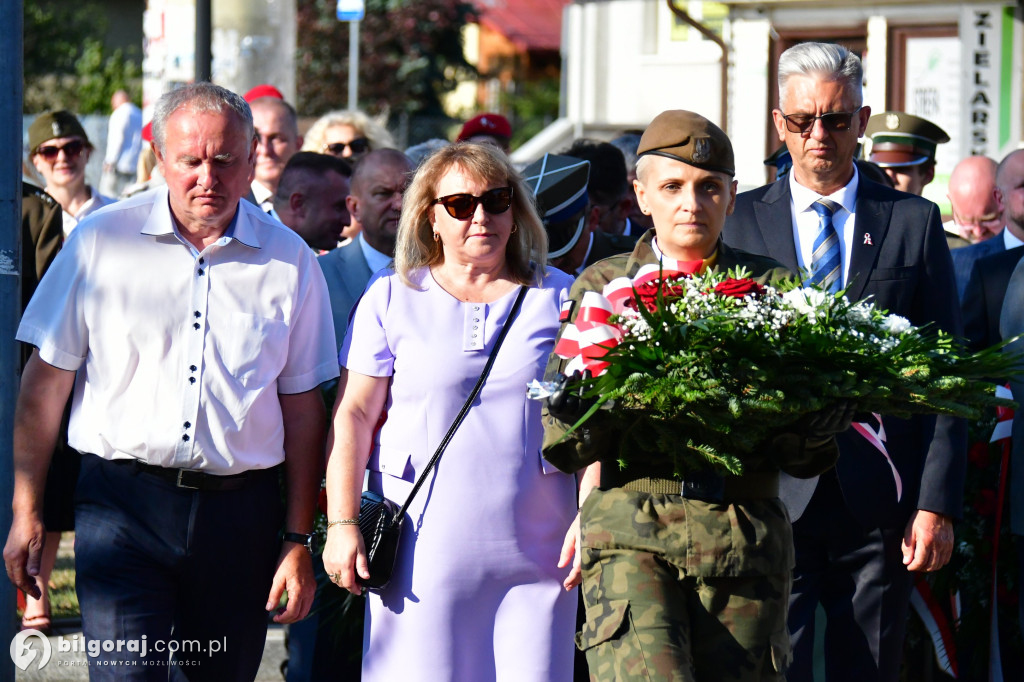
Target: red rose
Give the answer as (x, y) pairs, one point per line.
(738, 288)
(647, 292)
(978, 456)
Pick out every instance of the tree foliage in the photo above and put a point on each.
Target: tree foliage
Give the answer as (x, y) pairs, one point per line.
(66, 64)
(410, 53)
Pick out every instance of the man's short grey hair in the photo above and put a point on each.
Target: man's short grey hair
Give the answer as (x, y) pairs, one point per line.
(198, 98)
(823, 60)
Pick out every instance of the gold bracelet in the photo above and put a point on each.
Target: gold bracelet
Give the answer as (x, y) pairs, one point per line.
(343, 522)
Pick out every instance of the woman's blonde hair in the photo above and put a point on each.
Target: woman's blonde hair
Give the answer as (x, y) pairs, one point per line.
(527, 249)
(373, 131)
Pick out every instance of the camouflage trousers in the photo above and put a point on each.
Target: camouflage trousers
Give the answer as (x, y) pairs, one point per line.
(648, 617)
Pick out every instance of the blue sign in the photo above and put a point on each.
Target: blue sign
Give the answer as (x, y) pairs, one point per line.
(351, 10)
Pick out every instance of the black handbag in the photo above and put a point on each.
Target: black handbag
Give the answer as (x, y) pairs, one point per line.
(380, 519)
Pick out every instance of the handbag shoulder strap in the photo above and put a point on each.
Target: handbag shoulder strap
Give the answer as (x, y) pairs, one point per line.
(469, 401)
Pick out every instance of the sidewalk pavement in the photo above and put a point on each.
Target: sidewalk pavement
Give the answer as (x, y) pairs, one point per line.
(68, 666)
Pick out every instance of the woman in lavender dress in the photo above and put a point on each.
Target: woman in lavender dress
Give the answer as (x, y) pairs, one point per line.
(477, 592)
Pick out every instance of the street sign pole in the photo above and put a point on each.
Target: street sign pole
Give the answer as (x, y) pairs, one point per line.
(352, 11)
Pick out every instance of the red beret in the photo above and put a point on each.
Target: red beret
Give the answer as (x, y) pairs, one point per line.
(264, 90)
(495, 125)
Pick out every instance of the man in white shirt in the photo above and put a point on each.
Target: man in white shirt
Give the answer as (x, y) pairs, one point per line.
(124, 142)
(198, 329)
(277, 135)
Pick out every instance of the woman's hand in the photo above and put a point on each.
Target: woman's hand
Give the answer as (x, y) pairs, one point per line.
(570, 552)
(345, 558)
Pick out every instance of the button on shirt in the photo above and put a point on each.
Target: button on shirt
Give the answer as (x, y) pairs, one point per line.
(805, 221)
(181, 354)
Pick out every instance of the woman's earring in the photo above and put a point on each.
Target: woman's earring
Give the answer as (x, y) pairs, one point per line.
(437, 237)
(515, 226)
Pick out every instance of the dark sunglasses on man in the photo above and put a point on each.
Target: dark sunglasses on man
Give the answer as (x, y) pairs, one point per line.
(71, 150)
(463, 206)
(835, 121)
(358, 146)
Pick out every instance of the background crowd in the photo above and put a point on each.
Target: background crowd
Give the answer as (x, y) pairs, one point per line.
(435, 243)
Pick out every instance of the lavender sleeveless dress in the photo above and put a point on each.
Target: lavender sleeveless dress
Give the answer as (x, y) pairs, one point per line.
(476, 595)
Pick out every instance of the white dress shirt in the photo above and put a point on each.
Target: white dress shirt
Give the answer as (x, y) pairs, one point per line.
(805, 220)
(181, 354)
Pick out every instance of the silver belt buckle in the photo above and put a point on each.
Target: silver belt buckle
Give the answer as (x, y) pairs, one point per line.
(181, 483)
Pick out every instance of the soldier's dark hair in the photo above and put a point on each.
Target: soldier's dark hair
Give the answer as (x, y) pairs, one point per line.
(608, 182)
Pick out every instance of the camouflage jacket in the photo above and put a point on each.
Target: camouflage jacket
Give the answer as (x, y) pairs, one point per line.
(789, 452)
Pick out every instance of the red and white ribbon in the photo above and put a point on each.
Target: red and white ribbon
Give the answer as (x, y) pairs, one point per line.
(587, 340)
(877, 438)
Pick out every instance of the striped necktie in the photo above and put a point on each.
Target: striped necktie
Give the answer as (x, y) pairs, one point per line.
(826, 262)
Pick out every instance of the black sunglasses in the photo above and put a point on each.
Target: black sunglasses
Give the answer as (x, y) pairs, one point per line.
(463, 206)
(71, 150)
(836, 121)
(358, 146)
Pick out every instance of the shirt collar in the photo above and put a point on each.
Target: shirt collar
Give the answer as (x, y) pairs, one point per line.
(160, 222)
(846, 197)
(260, 193)
(1010, 240)
(375, 260)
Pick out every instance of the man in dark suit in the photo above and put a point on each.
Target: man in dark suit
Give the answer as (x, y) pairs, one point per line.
(887, 508)
(986, 285)
(977, 207)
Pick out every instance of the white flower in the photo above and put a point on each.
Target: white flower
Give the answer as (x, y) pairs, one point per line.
(806, 301)
(894, 324)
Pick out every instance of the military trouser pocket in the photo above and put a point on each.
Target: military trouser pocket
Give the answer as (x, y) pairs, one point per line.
(611, 643)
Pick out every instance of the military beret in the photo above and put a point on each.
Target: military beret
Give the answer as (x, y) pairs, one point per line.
(559, 186)
(899, 139)
(264, 90)
(690, 138)
(494, 125)
(54, 124)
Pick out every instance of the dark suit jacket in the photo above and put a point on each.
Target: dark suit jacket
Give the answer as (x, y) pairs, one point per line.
(1012, 324)
(965, 258)
(906, 269)
(983, 297)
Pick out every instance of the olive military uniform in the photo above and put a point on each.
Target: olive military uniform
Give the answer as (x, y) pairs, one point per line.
(683, 582)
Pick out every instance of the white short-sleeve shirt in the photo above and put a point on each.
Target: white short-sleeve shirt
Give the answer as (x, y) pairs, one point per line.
(181, 354)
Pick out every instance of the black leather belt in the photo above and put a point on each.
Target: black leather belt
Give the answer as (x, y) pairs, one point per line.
(710, 487)
(191, 479)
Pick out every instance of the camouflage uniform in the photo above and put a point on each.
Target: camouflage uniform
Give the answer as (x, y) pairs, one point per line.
(678, 587)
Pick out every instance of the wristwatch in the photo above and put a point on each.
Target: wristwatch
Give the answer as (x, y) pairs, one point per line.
(307, 540)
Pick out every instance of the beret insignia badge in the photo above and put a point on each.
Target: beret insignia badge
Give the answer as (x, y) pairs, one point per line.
(701, 150)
